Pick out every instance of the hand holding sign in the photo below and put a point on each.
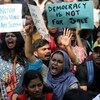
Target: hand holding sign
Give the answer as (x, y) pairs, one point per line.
(38, 21)
(28, 30)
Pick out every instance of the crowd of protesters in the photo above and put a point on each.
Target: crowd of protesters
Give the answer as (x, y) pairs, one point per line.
(65, 68)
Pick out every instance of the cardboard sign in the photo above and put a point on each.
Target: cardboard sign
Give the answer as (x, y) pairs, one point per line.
(10, 17)
(38, 21)
(71, 15)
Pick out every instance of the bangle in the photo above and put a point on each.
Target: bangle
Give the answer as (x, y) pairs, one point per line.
(76, 61)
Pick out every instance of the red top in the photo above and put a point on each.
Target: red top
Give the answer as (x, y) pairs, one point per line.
(52, 44)
(24, 96)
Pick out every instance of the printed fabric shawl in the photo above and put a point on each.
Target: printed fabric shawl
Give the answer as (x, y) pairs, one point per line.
(62, 83)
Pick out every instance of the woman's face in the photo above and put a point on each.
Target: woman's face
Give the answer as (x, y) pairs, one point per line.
(10, 40)
(28, 20)
(56, 64)
(35, 88)
(60, 45)
(73, 32)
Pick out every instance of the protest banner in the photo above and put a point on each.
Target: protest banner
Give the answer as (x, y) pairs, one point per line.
(10, 17)
(38, 21)
(71, 15)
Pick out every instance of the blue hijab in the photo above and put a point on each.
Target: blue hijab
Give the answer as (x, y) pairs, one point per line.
(62, 83)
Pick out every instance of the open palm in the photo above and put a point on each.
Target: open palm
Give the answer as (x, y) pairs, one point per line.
(66, 38)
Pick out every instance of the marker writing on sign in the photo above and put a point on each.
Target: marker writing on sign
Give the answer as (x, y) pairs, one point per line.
(66, 7)
(82, 20)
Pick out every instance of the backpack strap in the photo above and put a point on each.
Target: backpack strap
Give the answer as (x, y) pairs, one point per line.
(90, 70)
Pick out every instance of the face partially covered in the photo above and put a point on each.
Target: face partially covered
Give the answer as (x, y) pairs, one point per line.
(60, 45)
(56, 64)
(52, 30)
(10, 40)
(73, 32)
(29, 20)
(60, 37)
(35, 88)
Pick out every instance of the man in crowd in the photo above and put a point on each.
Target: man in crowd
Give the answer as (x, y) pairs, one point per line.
(83, 74)
(38, 55)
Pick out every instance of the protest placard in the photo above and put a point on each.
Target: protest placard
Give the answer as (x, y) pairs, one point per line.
(10, 17)
(71, 15)
(38, 21)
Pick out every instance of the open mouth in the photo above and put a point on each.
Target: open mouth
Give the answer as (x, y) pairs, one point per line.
(47, 55)
(10, 43)
(53, 69)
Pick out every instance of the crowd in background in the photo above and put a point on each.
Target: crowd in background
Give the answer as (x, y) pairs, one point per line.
(65, 68)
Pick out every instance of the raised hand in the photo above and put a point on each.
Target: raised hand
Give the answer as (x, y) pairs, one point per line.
(66, 38)
(7, 79)
(28, 30)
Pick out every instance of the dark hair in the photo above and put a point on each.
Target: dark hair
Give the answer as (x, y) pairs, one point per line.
(34, 74)
(25, 9)
(76, 94)
(57, 36)
(98, 29)
(48, 1)
(18, 50)
(30, 75)
(40, 1)
(44, 14)
(39, 43)
(86, 32)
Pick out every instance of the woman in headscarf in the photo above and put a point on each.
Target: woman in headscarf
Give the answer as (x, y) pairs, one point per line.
(59, 76)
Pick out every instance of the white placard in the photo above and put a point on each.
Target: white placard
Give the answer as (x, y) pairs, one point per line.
(38, 21)
(10, 17)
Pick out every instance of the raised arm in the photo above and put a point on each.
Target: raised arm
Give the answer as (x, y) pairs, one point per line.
(66, 41)
(28, 30)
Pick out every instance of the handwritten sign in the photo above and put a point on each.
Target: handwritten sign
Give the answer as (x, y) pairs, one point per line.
(10, 17)
(38, 21)
(71, 15)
